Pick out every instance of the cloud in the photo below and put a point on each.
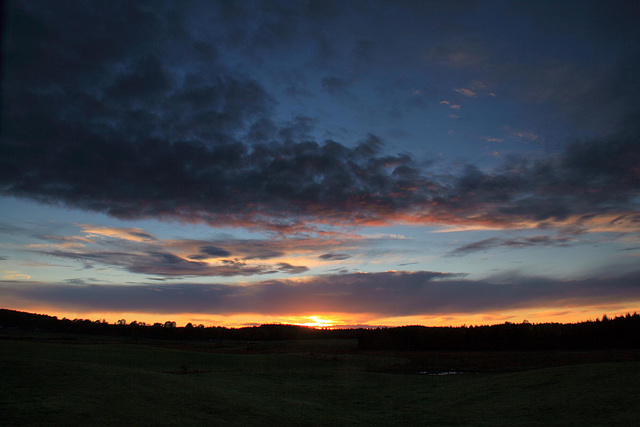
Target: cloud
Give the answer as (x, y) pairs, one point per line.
(193, 257)
(170, 265)
(86, 281)
(491, 139)
(384, 294)
(524, 136)
(291, 269)
(570, 188)
(466, 92)
(133, 234)
(517, 243)
(15, 275)
(334, 257)
(136, 129)
(383, 236)
(214, 251)
(478, 246)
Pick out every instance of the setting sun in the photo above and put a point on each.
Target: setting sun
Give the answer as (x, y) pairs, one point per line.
(318, 322)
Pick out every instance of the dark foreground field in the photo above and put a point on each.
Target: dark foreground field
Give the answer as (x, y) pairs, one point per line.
(57, 380)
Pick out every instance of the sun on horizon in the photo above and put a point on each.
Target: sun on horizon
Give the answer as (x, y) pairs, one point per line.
(317, 322)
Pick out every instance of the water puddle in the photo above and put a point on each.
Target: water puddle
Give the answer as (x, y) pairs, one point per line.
(440, 373)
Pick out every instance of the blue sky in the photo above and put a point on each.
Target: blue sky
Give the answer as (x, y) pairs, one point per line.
(365, 162)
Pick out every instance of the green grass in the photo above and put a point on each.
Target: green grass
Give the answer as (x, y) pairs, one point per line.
(127, 384)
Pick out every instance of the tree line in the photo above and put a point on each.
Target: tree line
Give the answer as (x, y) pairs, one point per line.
(13, 319)
(619, 332)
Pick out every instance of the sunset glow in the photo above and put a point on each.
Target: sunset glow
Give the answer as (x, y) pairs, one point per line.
(317, 322)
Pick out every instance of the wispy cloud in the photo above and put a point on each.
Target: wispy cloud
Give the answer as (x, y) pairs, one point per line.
(133, 234)
(513, 243)
(466, 92)
(15, 275)
(491, 139)
(167, 264)
(201, 258)
(334, 257)
(525, 136)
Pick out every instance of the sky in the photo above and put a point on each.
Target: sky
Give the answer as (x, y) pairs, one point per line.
(327, 163)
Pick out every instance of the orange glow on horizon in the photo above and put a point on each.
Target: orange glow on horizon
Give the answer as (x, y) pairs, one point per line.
(351, 320)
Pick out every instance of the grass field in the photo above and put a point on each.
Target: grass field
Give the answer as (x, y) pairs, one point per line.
(112, 383)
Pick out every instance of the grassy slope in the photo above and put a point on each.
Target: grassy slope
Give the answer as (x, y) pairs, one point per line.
(109, 384)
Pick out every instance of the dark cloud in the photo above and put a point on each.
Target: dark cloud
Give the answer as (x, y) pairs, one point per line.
(536, 241)
(515, 243)
(334, 257)
(214, 251)
(478, 246)
(136, 133)
(142, 235)
(588, 178)
(124, 109)
(291, 269)
(384, 294)
(260, 249)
